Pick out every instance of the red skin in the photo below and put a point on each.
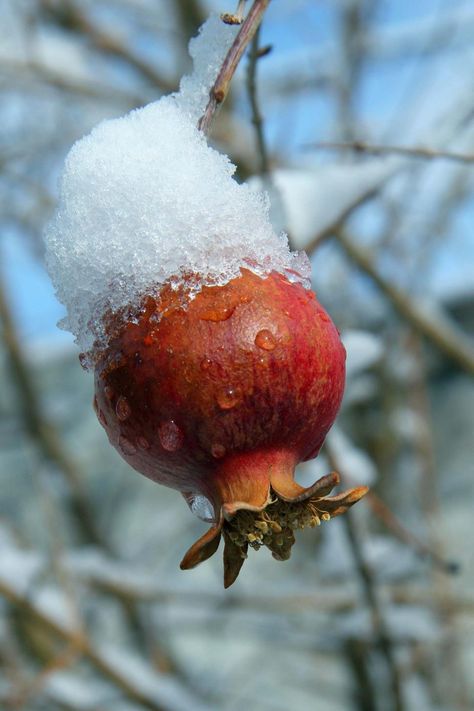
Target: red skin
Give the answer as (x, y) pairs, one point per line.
(244, 409)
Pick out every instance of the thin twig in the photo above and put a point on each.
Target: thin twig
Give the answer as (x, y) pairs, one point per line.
(393, 523)
(384, 641)
(49, 443)
(439, 330)
(264, 167)
(80, 644)
(419, 152)
(432, 507)
(43, 432)
(220, 88)
(69, 16)
(37, 73)
(369, 583)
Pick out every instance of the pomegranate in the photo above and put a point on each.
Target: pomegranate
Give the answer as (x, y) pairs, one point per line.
(220, 395)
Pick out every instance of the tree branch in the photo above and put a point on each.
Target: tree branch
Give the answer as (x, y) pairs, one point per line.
(78, 642)
(43, 432)
(70, 17)
(220, 88)
(422, 152)
(440, 331)
(369, 584)
(393, 523)
(255, 54)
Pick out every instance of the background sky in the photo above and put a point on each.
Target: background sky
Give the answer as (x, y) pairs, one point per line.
(388, 86)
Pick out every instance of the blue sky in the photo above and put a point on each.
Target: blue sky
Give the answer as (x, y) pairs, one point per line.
(384, 87)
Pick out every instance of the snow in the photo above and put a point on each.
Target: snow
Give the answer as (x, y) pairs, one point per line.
(20, 568)
(405, 623)
(314, 200)
(144, 200)
(363, 348)
(207, 51)
(357, 463)
(160, 689)
(68, 689)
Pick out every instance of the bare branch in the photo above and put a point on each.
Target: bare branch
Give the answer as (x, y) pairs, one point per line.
(384, 641)
(257, 120)
(220, 89)
(371, 593)
(440, 330)
(37, 72)
(42, 431)
(422, 152)
(69, 16)
(79, 643)
(393, 523)
(191, 16)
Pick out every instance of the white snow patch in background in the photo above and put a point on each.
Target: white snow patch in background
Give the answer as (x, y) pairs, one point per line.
(316, 199)
(364, 350)
(144, 200)
(357, 463)
(80, 693)
(20, 568)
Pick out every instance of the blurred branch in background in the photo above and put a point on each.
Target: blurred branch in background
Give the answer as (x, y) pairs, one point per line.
(109, 623)
(426, 318)
(370, 690)
(256, 53)
(406, 151)
(68, 16)
(49, 443)
(42, 431)
(146, 690)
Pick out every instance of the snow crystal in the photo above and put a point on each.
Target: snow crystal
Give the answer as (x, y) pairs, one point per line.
(145, 200)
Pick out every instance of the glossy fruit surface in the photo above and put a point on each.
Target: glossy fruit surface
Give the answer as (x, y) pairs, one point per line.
(221, 394)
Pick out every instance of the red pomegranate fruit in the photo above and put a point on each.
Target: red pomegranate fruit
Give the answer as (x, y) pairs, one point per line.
(220, 395)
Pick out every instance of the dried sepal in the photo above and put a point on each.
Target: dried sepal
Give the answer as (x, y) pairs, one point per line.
(290, 507)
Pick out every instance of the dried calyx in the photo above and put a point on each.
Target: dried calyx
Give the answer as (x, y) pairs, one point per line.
(273, 526)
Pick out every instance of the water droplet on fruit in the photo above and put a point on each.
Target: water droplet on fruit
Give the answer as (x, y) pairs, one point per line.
(126, 446)
(109, 392)
(228, 398)
(217, 314)
(206, 364)
(217, 450)
(143, 443)
(200, 507)
(265, 340)
(150, 339)
(122, 408)
(85, 361)
(171, 437)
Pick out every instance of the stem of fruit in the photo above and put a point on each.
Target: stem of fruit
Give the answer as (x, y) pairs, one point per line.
(220, 88)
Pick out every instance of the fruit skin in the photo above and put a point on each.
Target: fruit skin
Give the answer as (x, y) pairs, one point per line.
(224, 393)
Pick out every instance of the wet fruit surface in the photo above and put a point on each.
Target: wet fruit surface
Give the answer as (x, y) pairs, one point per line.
(221, 395)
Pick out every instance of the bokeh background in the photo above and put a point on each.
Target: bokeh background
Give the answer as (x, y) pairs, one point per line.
(374, 611)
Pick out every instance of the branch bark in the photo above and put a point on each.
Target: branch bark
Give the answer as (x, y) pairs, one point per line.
(264, 167)
(43, 432)
(220, 88)
(405, 151)
(442, 332)
(78, 642)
